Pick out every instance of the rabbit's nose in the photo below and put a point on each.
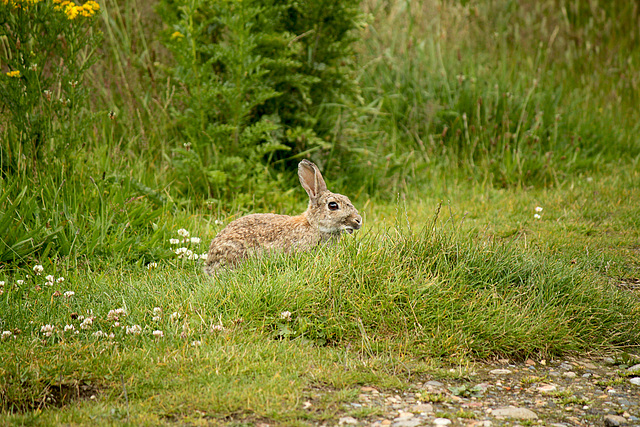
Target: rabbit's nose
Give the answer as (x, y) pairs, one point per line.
(358, 220)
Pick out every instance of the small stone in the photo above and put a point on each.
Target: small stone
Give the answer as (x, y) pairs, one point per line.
(385, 422)
(614, 420)
(565, 366)
(513, 412)
(569, 374)
(406, 422)
(500, 372)
(442, 421)
(530, 362)
(589, 365)
(425, 407)
(587, 375)
(366, 389)
(547, 388)
(434, 383)
(403, 416)
(635, 381)
(634, 368)
(347, 420)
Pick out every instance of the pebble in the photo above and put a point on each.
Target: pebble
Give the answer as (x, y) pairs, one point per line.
(434, 383)
(407, 423)
(635, 380)
(569, 374)
(347, 420)
(547, 388)
(425, 407)
(614, 420)
(513, 412)
(634, 368)
(442, 421)
(500, 372)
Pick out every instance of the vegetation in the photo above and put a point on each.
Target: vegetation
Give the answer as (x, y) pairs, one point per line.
(490, 146)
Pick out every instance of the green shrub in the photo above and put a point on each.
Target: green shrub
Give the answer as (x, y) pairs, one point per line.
(252, 76)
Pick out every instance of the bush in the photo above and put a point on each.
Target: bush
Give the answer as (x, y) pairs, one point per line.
(47, 47)
(252, 76)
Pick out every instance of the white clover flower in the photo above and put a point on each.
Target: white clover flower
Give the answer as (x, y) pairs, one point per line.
(195, 240)
(98, 334)
(115, 314)
(116, 324)
(50, 278)
(157, 311)
(1, 291)
(196, 343)
(204, 256)
(80, 318)
(47, 330)
(184, 233)
(217, 328)
(539, 209)
(193, 257)
(537, 216)
(174, 241)
(156, 318)
(152, 265)
(286, 315)
(69, 294)
(86, 323)
(181, 251)
(38, 269)
(158, 334)
(68, 328)
(6, 334)
(60, 279)
(174, 316)
(112, 335)
(134, 330)
(1, 283)
(20, 282)
(217, 222)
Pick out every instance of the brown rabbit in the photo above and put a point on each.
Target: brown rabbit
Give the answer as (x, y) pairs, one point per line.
(327, 215)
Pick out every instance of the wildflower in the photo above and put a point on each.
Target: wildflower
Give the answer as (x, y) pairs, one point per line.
(47, 94)
(156, 318)
(37, 288)
(217, 328)
(1, 283)
(47, 330)
(73, 83)
(113, 115)
(177, 35)
(1, 291)
(152, 265)
(174, 241)
(195, 240)
(6, 334)
(193, 256)
(57, 293)
(203, 256)
(157, 311)
(286, 315)
(50, 279)
(196, 343)
(116, 324)
(98, 334)
(60, 279)
(86, 323)
(184, 233)
(181, 251)
(539, 209)
(537, 216)
(33, 67)
(134, 330)
(158, 334)
(15, 73)
(112, 335)
(38, 269)
(174, 316)
(68, 328)
(217, 222)
(115, 314)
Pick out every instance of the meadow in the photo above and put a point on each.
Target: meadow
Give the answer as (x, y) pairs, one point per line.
(491, 147)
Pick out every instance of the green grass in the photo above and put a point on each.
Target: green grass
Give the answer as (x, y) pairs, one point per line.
(447, 154)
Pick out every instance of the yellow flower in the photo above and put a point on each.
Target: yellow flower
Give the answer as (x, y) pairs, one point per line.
(71, 11)
(177, 35)
(92, 5)
(15, 73)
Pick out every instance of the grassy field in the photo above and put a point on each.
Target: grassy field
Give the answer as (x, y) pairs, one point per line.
(493, 155)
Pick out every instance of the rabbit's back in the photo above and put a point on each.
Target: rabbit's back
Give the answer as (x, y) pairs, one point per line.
(256, 234)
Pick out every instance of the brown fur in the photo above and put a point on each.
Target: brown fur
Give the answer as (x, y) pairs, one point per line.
(260, 233)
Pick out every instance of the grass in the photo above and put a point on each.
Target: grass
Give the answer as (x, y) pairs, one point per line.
(447, 156)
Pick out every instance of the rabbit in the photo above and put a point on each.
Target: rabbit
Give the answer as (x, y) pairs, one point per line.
(326, 217)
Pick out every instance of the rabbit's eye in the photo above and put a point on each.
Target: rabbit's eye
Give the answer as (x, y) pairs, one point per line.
(333, 206)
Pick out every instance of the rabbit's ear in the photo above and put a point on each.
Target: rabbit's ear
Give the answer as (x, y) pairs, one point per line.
(311, 179)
